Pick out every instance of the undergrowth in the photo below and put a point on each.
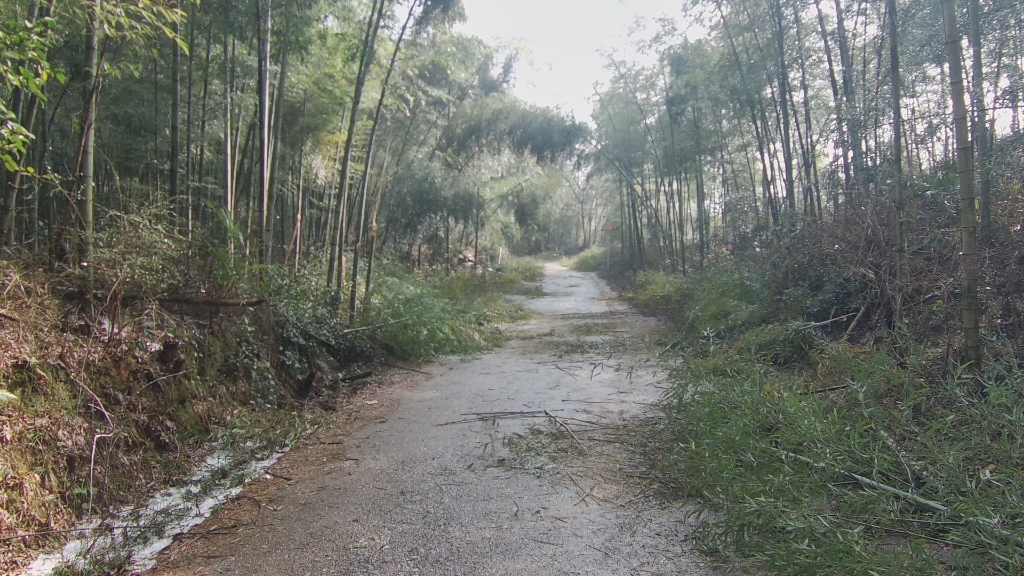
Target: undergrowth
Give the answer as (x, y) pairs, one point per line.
(129, 387)
(736, 422)
(775, 419)
(411, 314)
(597, 259)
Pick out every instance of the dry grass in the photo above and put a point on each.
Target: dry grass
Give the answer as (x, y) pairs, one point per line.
(116, 395)
(100, 397)
(33, 476)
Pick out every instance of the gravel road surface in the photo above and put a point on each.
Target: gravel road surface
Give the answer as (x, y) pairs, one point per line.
(463, 472)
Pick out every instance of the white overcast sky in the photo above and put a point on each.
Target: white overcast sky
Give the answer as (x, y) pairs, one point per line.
(560, 42)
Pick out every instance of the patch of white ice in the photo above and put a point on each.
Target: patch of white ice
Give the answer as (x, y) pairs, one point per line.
(138, 534)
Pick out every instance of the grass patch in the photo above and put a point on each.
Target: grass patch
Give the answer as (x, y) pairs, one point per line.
(412, 314)
(766, 423)
(594, 259)
(519, 270)
(709, 308)
(616, 269)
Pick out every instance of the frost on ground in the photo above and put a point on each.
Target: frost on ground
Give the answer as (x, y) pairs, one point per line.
(133, 536)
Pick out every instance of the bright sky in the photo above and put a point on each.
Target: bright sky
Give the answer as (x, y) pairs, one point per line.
(560, 41)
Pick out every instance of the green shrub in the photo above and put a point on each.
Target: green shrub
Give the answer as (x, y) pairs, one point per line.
(735, 416)
(434, 318)
(779, 344)
(413, 314)
(594, 259)
(718, 302)
(520, 270)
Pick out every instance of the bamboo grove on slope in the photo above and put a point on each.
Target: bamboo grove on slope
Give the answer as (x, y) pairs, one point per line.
(264, 132)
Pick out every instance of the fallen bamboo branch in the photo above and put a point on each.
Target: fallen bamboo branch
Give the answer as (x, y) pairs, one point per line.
(220, 302)
(914, 468)
(374, 327)
(216, 530)
(485, 416)
(279, 476)
(905, 532)
(826, 322)
(165, 377)
(593, 425)
(7, 316)
(509, 413)
(930, 505)
(407, 369)
(829, 389)
(99, 403)
(569, 430)
(334, 345)
(354, 377)
(856, 321)
(573, 376)
(48, 533)
(601, 551)
(587, 494)
(92, 466)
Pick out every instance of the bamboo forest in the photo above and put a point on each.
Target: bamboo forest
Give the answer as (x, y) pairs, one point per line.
(469, 287)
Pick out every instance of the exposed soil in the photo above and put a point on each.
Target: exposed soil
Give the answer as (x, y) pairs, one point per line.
(462, 472)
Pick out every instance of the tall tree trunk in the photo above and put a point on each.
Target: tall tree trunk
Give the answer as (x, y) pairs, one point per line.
(175, 145)
(336, 264)
(275, 159)
(897, 154)
(90, 95)
(25, 118)
(353, 296)
(38, 185)
(681, 220)
(852, 120)
(200, 172)
(189, 164)
(811, 162)
(229, 163)
(701, 208)
(300, 210)
(837, 102)
(154, 187)
(965, 169)
(265, 207)
(783, 80)
(981, 137)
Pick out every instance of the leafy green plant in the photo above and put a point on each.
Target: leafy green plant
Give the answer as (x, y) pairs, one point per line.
(773, 452)
(725, 299)
(596, 259)
(410, 315)
(24, 66)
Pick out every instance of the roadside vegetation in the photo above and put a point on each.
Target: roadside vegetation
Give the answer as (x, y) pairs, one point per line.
(811, 451)
(824, 201)
(817, 432)
(107, 400)
(217, 218)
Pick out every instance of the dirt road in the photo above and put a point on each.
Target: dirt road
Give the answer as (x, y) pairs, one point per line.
(425, 477)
